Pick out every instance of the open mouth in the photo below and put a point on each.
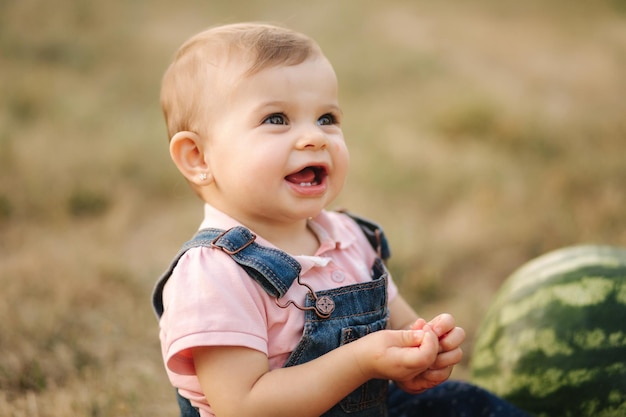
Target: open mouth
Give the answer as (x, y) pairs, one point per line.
(308, 177)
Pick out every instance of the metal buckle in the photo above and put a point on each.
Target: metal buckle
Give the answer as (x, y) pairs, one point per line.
(229, 252)
(324, 305)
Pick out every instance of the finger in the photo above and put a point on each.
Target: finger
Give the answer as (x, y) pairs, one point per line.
(442, 324)
(423, 353)
(437, 376)
(452, 339)
(418, 324)
(447, 359)
(430, 340)
(426, 352)
(410, 338)
(419, 338)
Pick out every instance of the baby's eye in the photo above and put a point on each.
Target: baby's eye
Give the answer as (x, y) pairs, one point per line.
(327, 119)
(275, 119)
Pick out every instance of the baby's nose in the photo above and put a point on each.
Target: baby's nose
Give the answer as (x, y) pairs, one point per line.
(313, 139)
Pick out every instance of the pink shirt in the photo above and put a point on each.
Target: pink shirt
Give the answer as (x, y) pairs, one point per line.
(211, 301)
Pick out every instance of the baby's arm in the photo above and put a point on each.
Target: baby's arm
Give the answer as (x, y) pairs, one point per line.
(450, 339)
(237, 380)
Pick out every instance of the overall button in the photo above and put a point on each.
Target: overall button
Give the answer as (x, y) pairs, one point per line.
(338, 276)
(324, 306)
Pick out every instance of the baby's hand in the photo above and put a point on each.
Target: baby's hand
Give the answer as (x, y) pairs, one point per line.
(449, 354)
(450, 337)
(397, 354)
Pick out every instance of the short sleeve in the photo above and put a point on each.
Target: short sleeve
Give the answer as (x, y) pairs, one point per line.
(210, 301)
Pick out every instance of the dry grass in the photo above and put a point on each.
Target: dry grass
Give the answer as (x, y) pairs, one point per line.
(482, 135)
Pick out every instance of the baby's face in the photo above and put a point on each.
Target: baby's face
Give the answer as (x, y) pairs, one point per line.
(275, 149)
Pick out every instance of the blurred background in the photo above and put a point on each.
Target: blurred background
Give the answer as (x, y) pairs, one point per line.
(482, 134)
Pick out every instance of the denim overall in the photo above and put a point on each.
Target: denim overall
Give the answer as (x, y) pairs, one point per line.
(336, 317)
(347, 313)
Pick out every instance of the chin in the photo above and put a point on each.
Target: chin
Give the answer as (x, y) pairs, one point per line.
(307, 214)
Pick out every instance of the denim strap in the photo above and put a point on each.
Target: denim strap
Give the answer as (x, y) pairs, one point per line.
(272, 268)
(374, 234)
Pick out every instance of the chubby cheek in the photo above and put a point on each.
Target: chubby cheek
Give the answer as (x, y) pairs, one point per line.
(342, 156)
(340, 147)
(341, 162)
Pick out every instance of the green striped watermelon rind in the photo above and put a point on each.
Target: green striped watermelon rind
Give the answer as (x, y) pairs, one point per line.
(554, 340)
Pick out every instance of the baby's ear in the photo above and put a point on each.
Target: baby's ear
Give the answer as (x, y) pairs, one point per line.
(187, 152)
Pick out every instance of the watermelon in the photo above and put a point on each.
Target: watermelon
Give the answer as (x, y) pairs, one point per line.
(553, 342)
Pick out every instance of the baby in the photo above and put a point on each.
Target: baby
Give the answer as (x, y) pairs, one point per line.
(278, 307)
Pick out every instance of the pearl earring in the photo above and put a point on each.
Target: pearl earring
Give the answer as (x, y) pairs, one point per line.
(203, 176)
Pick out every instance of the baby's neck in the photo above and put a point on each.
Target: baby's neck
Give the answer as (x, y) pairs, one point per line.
(300, 242)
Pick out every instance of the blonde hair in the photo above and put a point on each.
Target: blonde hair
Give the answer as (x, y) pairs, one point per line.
(186, 89)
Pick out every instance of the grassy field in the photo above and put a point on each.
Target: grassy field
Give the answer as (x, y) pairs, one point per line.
(482, 134)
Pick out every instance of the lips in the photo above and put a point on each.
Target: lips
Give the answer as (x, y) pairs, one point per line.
(308, 177)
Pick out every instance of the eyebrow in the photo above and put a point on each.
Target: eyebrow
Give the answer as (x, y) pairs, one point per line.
(281, 103)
